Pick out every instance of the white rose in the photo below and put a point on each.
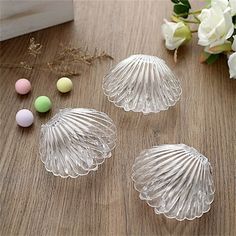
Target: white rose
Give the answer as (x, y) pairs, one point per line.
(234, 44)
(222, 4)
(232, 65)
(232, 4)
(175, 34)
(216, 26)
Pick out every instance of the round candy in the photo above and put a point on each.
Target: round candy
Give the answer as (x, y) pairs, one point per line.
(24, 118)
(42, 104)
(22, 86)
(64, 85)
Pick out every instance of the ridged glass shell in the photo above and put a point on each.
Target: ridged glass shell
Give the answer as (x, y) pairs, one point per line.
(75, 141)
(175, 180)
(142, 83)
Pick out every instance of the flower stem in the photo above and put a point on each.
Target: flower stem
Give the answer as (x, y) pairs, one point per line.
(175, 18)
(195, 12)
(195, 17)
(194, 31)
(176, 55)
(190, 21)
(190, 13)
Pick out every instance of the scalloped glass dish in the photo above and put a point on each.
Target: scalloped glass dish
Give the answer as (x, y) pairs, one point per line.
(175, 180)
(75, 141)
(142, 83)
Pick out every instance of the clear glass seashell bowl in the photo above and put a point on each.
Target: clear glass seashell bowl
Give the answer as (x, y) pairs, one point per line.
(176, 180)
(76, 141)
(142, 83)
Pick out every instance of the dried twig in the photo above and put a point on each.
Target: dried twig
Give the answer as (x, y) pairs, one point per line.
(25, 65)
(67, 62)
(34, 49)
(176, 55)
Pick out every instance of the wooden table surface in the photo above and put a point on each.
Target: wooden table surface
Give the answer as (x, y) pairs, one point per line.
(34, 202)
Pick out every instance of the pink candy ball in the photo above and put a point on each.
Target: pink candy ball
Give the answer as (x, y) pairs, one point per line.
(22, 86)
(24, 118)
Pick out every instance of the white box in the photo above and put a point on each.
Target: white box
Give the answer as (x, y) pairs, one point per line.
(19, 17)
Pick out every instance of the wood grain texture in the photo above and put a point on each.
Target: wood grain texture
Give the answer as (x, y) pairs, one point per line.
(34, 202)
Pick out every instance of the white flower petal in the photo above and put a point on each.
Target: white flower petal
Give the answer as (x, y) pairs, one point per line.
(216, 26)
(223, 4)
(168, 31)
(234, 44)
(233, 7)
(232, 65)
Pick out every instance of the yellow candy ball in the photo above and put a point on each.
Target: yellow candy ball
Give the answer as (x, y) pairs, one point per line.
(64, 85)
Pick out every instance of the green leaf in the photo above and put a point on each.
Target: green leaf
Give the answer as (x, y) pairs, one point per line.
(186, 3)
(212, 58)
(181, 9)
(234, 20)
(175, 1)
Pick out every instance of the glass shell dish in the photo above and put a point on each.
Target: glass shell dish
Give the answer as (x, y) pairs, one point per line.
(142, 83)
(75, 141)
(175, 180)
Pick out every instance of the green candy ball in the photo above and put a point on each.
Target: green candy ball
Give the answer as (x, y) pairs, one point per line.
(42, 104)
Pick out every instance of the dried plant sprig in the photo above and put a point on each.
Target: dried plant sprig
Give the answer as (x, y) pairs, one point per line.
(62, 70)
(67, 62)
(69, 54)
(34, 48)
(25, 65)
(70, 57)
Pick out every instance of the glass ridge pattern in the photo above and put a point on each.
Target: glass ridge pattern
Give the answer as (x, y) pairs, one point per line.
(175, 180)
(75, 141)
(142, 83)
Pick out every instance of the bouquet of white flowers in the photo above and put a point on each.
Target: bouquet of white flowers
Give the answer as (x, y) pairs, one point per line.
(216, 29)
